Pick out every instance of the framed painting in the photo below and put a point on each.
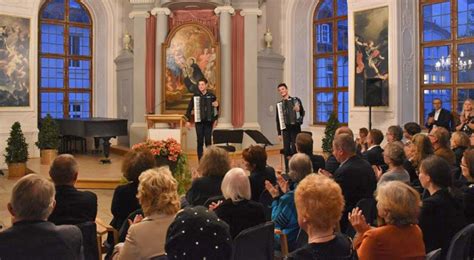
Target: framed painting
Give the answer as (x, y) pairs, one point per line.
(189, 53)
(371, 54)
(15, 89)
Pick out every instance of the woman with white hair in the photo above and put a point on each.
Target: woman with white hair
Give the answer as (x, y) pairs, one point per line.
(237, 209)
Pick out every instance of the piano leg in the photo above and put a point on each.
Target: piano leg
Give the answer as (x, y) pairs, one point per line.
(96, 145)
(106, 143)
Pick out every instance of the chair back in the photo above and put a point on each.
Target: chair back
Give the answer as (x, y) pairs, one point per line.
(434, 255)
(301, 239)
(461, 243)
(89, 239)
(213, 199)
(254, 243)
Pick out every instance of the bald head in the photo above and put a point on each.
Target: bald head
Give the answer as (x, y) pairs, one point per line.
(64, 170)
(344, 130)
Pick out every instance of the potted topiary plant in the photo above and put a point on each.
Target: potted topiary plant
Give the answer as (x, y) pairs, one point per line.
(16, 152)
(329, 132)
(48, 139)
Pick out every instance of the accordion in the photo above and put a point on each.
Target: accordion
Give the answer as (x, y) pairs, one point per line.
(287, 114)
(203, 109)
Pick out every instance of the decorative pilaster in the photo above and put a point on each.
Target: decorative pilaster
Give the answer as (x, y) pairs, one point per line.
(161, 33)
(226, 66)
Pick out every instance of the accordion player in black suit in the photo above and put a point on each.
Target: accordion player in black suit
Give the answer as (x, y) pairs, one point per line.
(205, 106)
(289, 117)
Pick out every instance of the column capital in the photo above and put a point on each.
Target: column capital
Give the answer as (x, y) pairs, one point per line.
(160, 10)
(140, 14)
(224, 9)
(251, 11)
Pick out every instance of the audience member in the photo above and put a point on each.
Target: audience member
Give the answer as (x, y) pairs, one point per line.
(304, 144)
(158, 196)
(394, 133)
(409, 130)
(207, 180)
(255, 159)
(394, 156)
(125, 200)
(442, 213)
(417, 151)
(331, 163)
(72, 206)
(439, 117)
(466, 118)
(459, 143)
(197, 233)
(399, 237)
(283, 206)
(374, 154)
(319, 204)
(355, 175)
(439, 138)
(361, 141)
(32, 236)
(237, 209)
(467, 169)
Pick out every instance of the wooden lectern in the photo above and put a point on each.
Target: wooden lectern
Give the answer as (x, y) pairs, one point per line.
(177, 128)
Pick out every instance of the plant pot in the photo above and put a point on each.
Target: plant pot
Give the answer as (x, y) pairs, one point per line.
(48, 155)
(16, 170)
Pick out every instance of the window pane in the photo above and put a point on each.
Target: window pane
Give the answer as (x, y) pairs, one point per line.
(325, 10)
(52, 38)
(342, 71)
(77, 13)
(341, 7)
(323, 38)
(79, 104)
(464, 94)
(437, 21)
(52, 73)
(324, 106)
(430, 94)
(436, 65)
(342, 35)
(54, 10)
(324, 73)
(52, 103)
(79, 73)
(79, 41)
(465, 18)
(464, 63)
(343, 106)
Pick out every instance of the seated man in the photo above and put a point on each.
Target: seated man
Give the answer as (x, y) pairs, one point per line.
(374, 154)
(32, 236)
(72, 206)
(331, 163)
(304, 144)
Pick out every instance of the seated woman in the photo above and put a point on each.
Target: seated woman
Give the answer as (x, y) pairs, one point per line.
(393, 156)
(255, 159)
(319, 204)
(466, 118)
(283, 205)
(158, 196)
(207, 180)
(237, 209)
(442, 213)
(467, 169)
(398, 237)
(125, 200)
(459, 143)
(419, 149)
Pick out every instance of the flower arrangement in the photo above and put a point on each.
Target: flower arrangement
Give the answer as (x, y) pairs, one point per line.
(168, 152)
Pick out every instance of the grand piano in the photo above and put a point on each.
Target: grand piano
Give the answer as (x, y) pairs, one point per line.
(98, 127)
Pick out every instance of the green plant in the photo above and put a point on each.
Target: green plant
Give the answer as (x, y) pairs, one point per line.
(329, 132)
(48, 137)
(17, 148)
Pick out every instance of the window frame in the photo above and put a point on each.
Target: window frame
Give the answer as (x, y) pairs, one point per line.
(334, 54)
(66, 57)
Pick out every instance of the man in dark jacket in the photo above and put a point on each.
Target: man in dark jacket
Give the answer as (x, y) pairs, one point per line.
(440, 117)
(374, 154)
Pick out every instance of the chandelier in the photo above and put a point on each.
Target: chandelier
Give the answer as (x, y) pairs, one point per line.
(446, 63)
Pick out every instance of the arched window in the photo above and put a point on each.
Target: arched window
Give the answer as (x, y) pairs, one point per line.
(65, 59)
(447, 53)
(330, 61)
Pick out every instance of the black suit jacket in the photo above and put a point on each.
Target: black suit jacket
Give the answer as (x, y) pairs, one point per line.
(317, 161)
(331, 164)
(374, 156)
(441, 217)
(445, 120)
(257, 181)
(124, 202)
(73, 206)
(203, 188)
(241, 215)
(40, 240)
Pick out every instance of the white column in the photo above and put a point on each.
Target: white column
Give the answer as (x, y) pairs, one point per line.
(161, 33)
(138, 127)
(226, 66)
(250, 67)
